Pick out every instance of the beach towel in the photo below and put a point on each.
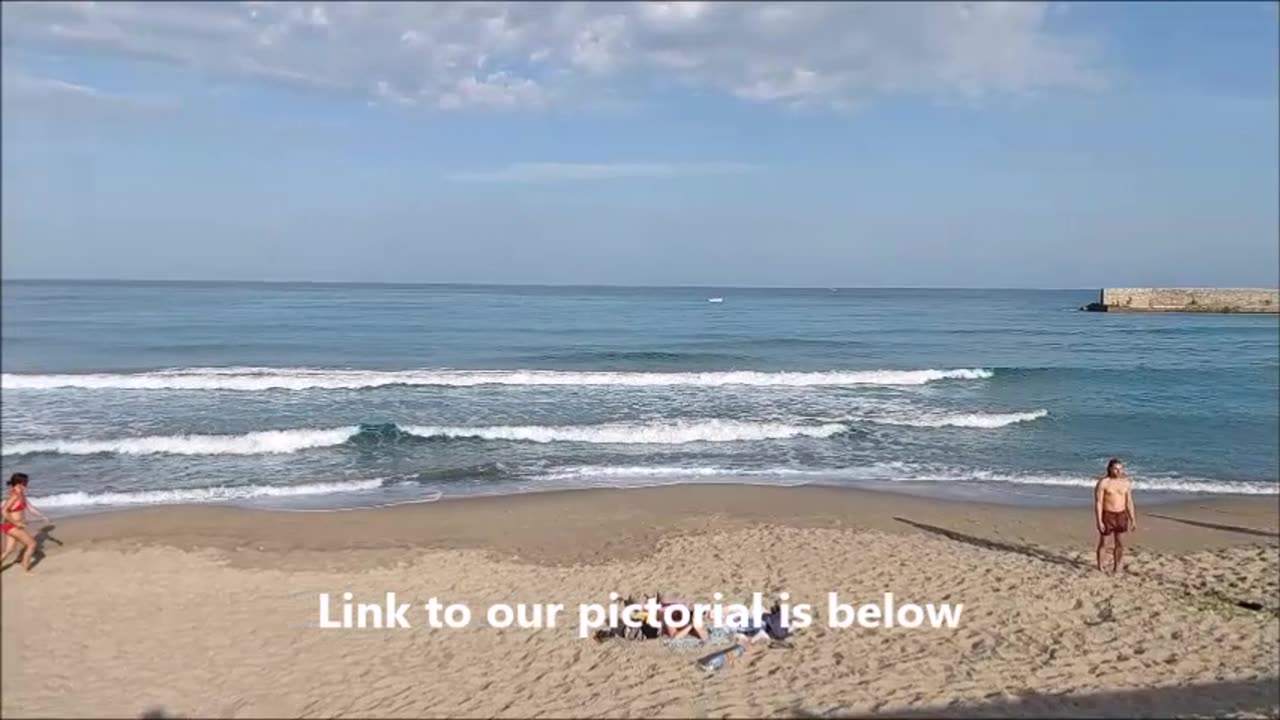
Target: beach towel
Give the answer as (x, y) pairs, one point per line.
(721, 658)
(715, 635)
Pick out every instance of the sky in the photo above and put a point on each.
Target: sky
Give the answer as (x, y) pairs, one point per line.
(906, 144)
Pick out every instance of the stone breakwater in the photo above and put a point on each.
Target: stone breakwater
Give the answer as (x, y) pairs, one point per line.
(1210, 300)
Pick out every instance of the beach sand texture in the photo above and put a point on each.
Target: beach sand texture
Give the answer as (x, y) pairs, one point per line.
(204, 611)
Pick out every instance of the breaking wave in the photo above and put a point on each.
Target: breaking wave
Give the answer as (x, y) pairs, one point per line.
(965, 420)
(201, 495)
(604, 476)
(289, 441)
(662, 433)
(247, 379)
(267, 442)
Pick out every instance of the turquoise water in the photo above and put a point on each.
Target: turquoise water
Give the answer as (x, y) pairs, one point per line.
(320, 396)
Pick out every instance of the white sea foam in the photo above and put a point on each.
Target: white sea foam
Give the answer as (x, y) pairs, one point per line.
(273, 442)
(267, 442)
(253, 379)
(963, 420)
(660, 433)
(1170, 483)
(590, 472)
(201, 495)
(895, 472)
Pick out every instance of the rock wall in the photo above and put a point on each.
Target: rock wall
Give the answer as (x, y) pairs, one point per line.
(1215, 300)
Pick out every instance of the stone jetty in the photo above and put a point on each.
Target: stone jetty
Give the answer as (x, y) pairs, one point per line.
(1187, 300)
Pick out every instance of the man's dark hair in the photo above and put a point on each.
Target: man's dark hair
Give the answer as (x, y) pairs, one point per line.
(1111, 464)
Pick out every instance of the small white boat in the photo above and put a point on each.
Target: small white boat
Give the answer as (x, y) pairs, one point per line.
(715, 300)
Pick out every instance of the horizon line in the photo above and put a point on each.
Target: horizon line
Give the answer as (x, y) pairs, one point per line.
(393, 283)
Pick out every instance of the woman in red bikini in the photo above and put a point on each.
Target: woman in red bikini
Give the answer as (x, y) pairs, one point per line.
(14, 512)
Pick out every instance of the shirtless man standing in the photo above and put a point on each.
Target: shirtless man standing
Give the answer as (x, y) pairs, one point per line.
(1113, 510)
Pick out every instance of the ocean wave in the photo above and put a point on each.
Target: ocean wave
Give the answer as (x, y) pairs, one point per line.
(964, 420)
(893, 472)
(659, 433)
(272, 442)
(603, 356)
(255, 379)
(267, 442)
(586, 472)
(1169, 483)
(201, 495)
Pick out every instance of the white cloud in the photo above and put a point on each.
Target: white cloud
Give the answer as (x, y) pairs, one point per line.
(601, 45)
(556, 172)
(495, 90)
(514, 55)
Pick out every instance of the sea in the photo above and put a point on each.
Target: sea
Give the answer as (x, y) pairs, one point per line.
(323, 397)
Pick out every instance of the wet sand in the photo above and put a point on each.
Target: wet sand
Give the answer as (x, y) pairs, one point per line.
(203, 611)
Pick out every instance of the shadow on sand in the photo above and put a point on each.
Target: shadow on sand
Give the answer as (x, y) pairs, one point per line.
(1215, 526)
(41, 537)
(1030, 551)
(1261, 696)
(157, 713)
(45, 535)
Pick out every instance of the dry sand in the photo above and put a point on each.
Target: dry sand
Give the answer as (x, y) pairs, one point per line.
(205, 611)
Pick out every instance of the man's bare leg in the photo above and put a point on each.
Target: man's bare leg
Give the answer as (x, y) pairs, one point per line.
(1119, 555)
(1102, 542)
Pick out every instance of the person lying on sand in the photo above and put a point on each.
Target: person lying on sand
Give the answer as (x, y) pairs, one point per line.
(676, 631)
(1113, 511)
(658, 627)
(644, 631)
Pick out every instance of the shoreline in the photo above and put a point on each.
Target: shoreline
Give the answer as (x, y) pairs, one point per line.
(1011, 495)
(593, 516)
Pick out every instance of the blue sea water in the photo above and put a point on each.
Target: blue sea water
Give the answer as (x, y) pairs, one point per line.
(311, 396)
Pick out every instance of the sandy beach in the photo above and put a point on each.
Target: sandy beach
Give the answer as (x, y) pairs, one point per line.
(211, 611)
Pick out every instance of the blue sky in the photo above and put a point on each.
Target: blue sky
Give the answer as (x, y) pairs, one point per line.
(849, 144)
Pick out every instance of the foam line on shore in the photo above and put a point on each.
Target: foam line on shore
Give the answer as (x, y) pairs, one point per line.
(182, 496)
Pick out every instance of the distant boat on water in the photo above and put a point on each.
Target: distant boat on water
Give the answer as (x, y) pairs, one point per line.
(715, 300)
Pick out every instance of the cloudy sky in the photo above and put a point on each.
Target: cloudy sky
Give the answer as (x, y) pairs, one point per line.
(850, 144)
